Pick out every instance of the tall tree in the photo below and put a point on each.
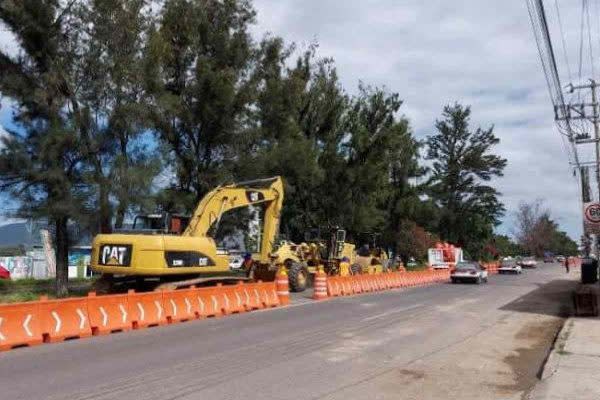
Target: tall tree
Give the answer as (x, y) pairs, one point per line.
(462, 169)
(538, 233)
(41, 163)
(112, 101)
(199, 64)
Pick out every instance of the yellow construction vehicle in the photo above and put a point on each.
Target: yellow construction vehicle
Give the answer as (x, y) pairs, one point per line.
(160, 249)
(332, 254)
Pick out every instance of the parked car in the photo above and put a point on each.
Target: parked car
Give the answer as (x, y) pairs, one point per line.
(440, 266)
(236, 261)
(528, 262)
(509, 267)
(4, 272)
(548, 259)
(467, 271)
(560, 259)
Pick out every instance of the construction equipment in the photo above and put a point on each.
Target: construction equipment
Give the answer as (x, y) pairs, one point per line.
(159, 249)
(331, 254)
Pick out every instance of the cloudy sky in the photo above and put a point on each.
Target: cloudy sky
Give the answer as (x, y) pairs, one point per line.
(437, 52)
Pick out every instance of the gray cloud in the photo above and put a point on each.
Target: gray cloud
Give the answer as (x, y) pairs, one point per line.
(436, 52)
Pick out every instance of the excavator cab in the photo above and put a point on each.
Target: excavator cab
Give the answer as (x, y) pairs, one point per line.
(163, 223)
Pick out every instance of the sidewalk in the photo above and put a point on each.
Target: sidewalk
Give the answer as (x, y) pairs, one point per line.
(573, 367)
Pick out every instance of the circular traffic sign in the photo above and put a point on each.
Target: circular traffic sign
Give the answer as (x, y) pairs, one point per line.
(592, 213)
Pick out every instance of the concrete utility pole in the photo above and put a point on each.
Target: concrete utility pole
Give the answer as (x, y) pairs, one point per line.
(588, 112)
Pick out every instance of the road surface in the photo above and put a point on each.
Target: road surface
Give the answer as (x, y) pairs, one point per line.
(442, 341)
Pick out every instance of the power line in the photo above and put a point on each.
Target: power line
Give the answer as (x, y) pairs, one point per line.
(564, 44)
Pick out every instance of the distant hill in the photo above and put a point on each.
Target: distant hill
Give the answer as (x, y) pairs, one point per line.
(17, 234)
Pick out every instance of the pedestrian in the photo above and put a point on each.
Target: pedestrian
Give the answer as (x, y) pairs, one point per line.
(567, 264)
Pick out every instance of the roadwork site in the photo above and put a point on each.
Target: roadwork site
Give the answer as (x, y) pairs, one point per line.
(437, 341)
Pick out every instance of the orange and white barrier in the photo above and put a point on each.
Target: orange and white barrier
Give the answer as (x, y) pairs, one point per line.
(282, 285)
(320, 286)
(355, 284)
(36, 322)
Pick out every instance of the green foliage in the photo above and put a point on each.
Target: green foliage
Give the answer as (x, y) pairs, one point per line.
(125, 105)
(462, 167)
(506, 246)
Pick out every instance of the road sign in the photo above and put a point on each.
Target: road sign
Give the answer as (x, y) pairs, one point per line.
(591, 217)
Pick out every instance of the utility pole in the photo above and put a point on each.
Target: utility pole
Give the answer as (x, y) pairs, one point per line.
(588, 112)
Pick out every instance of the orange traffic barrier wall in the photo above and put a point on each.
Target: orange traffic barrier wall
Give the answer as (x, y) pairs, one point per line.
(20, 325)
(32, 323)
(64, 319)
(108, 314)
(180, 305)
(146, 309)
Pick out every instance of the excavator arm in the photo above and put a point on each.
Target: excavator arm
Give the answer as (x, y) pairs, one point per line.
(267, 192)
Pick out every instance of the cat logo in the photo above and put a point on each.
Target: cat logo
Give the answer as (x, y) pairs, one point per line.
(115, 255)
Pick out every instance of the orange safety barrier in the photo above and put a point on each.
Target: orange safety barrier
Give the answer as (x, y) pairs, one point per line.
(179, 305)
(231, 301)
(268, 294)
(333, 288)
(250, 297)
(20, 325)
(356, 284)
(209, 302)
(283, 287)
(146, 309)
(64, 319)
(108, 314)
(364, 283)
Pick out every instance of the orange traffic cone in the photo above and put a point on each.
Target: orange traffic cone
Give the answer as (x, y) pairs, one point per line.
(320, 292)
(282, 286)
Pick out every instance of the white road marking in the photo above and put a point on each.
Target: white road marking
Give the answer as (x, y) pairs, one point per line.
(388, 313)
(58, 321)
(26, 325)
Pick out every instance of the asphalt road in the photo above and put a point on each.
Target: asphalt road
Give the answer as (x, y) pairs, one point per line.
(412, 343)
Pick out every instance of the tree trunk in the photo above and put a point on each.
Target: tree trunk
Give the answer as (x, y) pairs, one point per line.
(120, 215)
(62, 257)
(105, 212)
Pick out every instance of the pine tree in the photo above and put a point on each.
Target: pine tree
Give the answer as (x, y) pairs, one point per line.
(41, 163)
(462, 166)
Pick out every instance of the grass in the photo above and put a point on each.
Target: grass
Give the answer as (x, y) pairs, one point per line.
(421, 267)
(31, 289)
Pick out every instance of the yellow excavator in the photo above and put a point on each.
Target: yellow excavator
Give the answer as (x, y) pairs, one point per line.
(176, 251)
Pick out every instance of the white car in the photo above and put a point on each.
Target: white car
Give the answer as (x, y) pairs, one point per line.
(466, 271)
(509, 267)
(528, 262)
(235, 261)
(440, 266)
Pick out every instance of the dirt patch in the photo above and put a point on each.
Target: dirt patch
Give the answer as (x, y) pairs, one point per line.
(538, 338)
(412, 374)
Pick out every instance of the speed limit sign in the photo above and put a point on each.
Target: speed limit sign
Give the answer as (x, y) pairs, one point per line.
(591, 217)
